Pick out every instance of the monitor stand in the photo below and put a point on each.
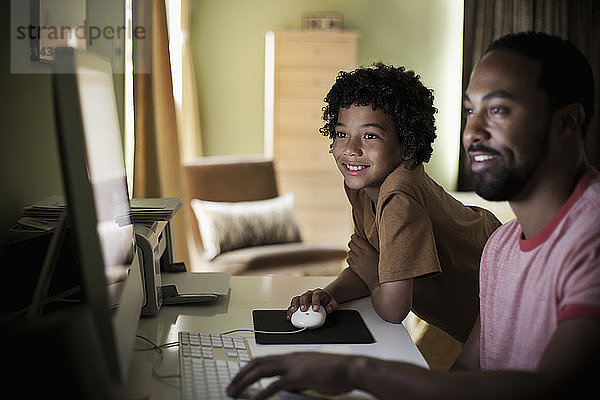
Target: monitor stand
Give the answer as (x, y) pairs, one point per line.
(40, 292)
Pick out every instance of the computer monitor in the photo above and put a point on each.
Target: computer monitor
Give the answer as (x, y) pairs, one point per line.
(96, 192)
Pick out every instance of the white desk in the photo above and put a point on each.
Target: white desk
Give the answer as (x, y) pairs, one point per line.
(235, 312)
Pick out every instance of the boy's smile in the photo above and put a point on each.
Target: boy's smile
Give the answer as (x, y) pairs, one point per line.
(366, 147)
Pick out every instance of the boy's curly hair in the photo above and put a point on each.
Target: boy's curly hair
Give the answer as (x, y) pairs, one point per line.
(395, 91)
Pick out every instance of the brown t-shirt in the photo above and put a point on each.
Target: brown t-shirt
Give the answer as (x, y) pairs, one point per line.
(422, 232)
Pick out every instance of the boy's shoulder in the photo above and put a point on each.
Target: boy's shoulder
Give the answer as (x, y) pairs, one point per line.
(404, 179)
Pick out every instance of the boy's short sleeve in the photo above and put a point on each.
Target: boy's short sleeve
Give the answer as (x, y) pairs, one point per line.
(406, 242)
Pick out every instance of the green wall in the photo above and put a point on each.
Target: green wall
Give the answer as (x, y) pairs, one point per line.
(227, 39)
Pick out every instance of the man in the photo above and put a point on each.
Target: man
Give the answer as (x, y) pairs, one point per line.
(528, 106)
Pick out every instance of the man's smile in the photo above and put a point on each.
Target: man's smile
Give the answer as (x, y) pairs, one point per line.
(482, 157)
(482, 160)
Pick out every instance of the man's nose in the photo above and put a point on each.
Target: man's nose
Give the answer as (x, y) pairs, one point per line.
(475, 130)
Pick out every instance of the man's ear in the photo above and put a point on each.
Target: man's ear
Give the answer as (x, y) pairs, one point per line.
(570, 118)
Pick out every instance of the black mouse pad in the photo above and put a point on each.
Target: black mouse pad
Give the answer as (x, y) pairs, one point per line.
(343, 326)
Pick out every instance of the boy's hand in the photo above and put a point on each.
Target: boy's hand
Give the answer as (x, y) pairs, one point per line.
(363, 259)
(316, 297)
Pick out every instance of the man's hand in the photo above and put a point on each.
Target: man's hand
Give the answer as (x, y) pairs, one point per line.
(322, 372)
(316, 297)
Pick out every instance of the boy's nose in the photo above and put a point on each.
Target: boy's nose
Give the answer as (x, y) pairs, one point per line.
(352, 148)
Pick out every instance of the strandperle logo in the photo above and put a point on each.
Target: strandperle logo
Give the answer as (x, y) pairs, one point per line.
(48, 36)
(39, 27)
(68, 33)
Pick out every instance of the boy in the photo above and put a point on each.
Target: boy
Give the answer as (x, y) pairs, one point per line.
(415, 246)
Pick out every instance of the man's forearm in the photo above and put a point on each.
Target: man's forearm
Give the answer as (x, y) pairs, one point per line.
(389, 380)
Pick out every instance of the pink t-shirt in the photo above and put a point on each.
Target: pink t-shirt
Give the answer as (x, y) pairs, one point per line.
(528, 286)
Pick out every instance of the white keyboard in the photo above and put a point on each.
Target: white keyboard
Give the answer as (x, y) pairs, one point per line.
(208, 362)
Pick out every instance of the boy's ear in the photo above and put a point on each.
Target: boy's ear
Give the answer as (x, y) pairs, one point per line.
(570, 118)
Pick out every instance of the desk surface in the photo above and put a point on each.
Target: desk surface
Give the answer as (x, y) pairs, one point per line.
(235, 312)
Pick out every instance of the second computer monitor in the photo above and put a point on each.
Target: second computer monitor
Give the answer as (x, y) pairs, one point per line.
(95, 184)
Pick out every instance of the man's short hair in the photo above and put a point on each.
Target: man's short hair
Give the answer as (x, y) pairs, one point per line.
(566, 74)
(395, 91)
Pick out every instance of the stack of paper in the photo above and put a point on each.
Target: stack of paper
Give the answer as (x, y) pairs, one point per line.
(150, 210)
(43, 214)
(48, 209)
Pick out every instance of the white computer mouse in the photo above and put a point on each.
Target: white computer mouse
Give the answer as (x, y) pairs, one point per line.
(310, 318)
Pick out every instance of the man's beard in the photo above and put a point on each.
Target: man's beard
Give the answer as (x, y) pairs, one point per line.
(503, 183)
